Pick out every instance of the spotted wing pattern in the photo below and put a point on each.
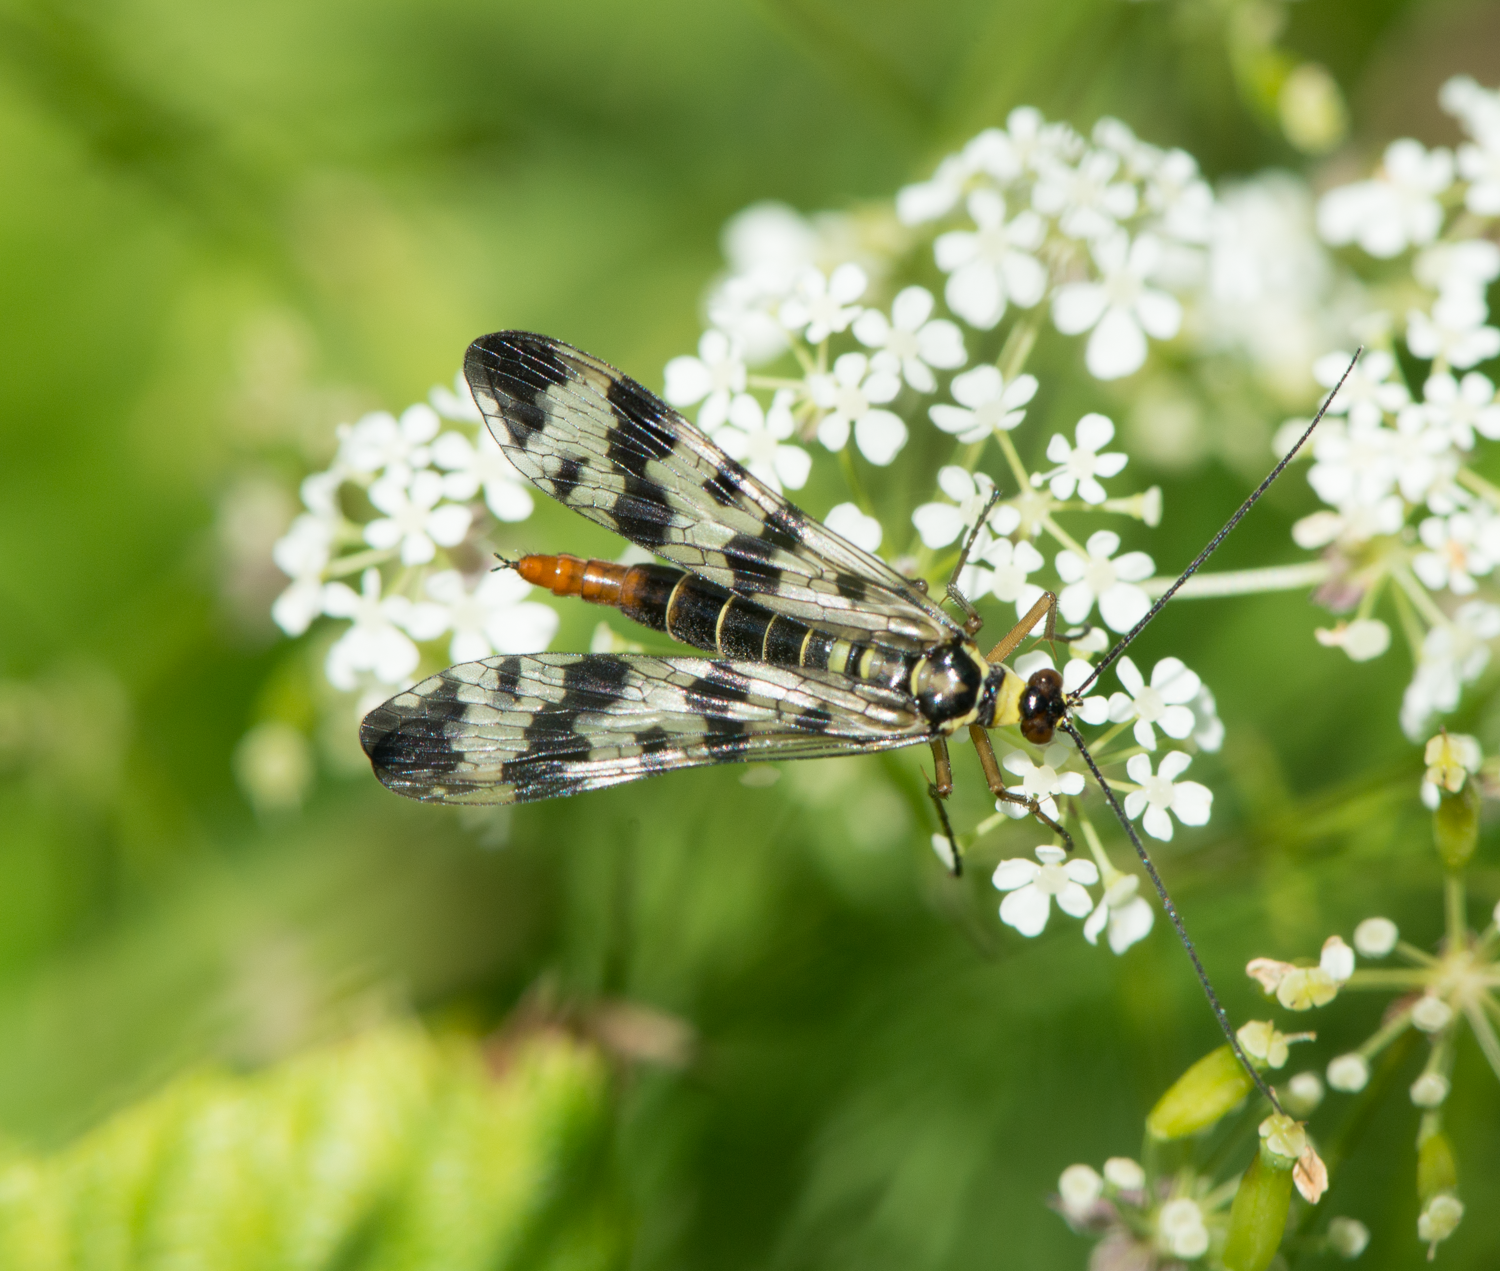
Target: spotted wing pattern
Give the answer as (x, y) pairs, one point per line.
(599, 442)
(518, 728)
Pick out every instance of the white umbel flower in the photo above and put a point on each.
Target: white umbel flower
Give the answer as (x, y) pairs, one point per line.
(381, 443)
(847, 520)
(1121, 309)
(1181, 1230)
(1103, 577)
(759, 439)
(493, 617)
(414, 518)
(1081, 465)
(714, 378)
(1124, 911)
(1163, 703)
(1459, 409)
(851, 395)
(1455, 332)
(992, 266)
(986, 403)
(911, 341)
(1034, 884)
(823, 305)
(1369, 393)
(375, 641)
(1087, 200)
(1161, 793)
(1396, 208)
(1041, 781)
(302, 553)
(1007, 566)
(472, 466)
(940, 524)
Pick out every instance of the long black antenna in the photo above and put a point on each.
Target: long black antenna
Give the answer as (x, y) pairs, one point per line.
(1217, 538)
(1166, 902)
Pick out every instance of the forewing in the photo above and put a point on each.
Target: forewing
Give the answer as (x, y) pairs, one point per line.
(599, 442)
(519, 728)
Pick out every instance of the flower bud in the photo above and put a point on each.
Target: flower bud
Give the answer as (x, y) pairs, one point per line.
(1336, 959)
(1181, 1230)
(1429, 1090)
(1198, 1098)
(1348, 1073)
(1348, 1237)
(1375, 937)
(1258, 1216)
(1124, 1174)
(1078, 1188)
(1431, 1014)
(1439, 1219)
(1282, 1141)
(1455, 826)
(1304, 1093)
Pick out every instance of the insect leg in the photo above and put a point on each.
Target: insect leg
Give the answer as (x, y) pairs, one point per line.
(942, 767)
(1046, 603)
(972, 619)
(954, 858)
(996, 783)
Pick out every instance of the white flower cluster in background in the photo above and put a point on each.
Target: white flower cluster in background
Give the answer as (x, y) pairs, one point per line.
(1410, 519)
(809, 350)
(403, 513)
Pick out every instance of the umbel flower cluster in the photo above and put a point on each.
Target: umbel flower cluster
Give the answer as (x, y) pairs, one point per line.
(1412, 529)
(1440, 994)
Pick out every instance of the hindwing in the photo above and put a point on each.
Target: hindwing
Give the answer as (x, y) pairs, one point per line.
(518, 728)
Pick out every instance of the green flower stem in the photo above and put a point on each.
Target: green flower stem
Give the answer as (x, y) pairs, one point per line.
(1102, 742)
(1245, 582)
(1018, 346)
(1415, 955)
(1410, 627)
(1419, 597)
(1368, 600)
(1013, 458)
(1484, 1034)
(772, 382)
(1096, 848)
(360, 561)
(1387, 979)
(1063, 537)
(1489, 493)
(851, 479)
(1386, 1034)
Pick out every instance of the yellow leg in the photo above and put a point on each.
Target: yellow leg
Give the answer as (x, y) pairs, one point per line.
(1046, 603)
(996, 782)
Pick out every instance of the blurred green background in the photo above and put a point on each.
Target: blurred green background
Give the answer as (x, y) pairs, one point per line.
(223, 229)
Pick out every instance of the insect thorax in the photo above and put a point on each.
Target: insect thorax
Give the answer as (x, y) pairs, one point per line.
(954, 686)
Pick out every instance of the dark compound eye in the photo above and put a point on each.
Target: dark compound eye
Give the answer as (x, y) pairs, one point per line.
(1041, 706)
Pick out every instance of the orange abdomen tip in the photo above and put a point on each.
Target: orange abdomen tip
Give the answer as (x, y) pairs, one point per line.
(594, 580)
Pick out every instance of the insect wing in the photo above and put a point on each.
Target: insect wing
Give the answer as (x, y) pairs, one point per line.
(517, 728)
(596, 440)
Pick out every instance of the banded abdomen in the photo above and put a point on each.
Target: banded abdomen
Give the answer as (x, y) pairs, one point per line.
(707, 616)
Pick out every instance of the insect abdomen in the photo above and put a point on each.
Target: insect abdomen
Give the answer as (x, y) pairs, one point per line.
(707, 616)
